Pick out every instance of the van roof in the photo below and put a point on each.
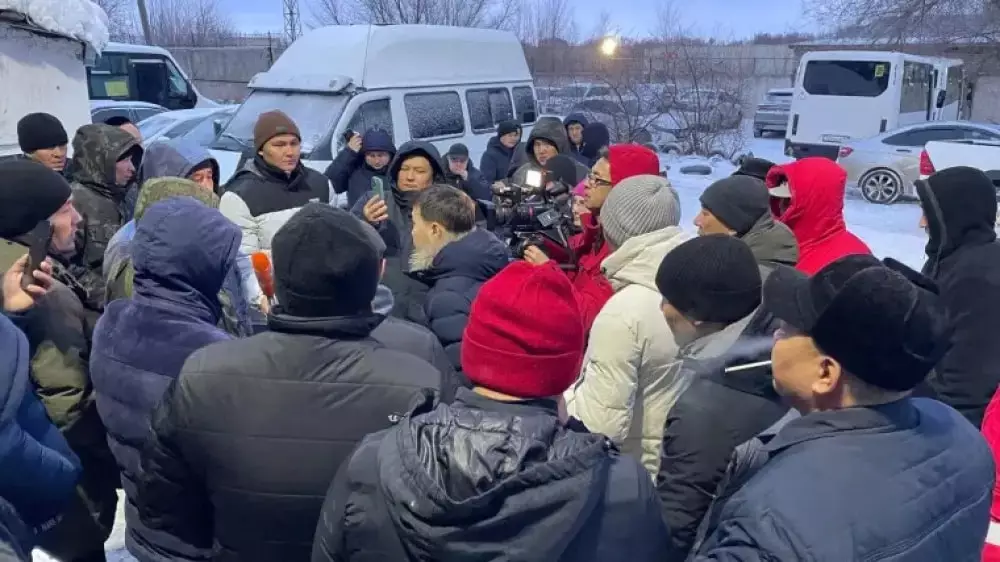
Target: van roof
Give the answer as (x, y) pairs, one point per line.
(139, 49)
(393, 56)
(874, 56)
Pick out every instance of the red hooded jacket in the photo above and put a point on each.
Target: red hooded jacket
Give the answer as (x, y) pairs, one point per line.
(589, 247)
(816, 213)
(991, 431)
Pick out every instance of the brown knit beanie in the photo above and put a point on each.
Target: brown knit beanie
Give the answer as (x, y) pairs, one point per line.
(272, 124)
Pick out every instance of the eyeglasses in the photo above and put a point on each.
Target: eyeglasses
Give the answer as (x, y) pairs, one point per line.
(596, 180)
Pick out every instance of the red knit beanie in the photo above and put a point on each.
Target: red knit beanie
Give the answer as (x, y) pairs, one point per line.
(628, 160)
(525, 334)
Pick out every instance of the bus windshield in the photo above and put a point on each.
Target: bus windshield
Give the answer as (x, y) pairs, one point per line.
(851, 78)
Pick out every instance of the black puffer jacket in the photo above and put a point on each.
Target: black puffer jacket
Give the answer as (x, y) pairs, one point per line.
(397, 232)
(495, 161)
(963, 258)
(247, 442)
(717, 413)
(453, 282)
(266, 189)
(483, 480)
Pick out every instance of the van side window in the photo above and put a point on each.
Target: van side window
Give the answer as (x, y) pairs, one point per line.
(434, 114)
(374, 114)
(109, 78)
(488, 107)
(524, 102)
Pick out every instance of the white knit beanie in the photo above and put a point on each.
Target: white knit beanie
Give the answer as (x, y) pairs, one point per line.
(639, 205)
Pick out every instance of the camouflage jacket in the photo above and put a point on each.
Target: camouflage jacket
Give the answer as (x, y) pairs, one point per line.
(99, 200)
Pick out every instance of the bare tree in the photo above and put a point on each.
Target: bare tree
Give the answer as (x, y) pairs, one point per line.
(496, 14)
(546, 21)
(189, 23)
(671, 92)
(902, 21)
(121, 16)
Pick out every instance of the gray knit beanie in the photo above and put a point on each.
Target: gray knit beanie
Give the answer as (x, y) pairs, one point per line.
(639, 205)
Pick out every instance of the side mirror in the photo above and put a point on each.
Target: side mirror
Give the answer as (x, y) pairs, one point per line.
(528, 116)
(940, 99)
(217, 125)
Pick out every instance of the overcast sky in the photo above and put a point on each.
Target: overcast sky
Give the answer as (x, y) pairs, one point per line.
(722, 18)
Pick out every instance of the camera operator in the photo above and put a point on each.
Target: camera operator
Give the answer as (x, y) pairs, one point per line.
(620, 162)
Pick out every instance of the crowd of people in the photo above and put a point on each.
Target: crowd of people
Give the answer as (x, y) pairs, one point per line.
(395, 384)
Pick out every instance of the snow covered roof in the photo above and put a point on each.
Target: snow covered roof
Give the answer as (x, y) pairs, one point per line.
(76, 19)
(387, 56)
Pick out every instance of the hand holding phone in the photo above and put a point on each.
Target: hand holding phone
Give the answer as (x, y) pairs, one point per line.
(378, 187)
(41, 238)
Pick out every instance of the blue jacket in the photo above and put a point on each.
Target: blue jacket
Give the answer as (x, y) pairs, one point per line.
(177, 159)
(38, 471)
(453, 280)
(181, 252)
(909, 480)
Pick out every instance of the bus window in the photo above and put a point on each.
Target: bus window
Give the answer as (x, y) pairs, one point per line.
(846, 78)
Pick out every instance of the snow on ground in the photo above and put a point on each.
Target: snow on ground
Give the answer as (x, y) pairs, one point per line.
(889, 230)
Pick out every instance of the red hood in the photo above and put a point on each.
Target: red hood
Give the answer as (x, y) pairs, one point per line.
(817, 187)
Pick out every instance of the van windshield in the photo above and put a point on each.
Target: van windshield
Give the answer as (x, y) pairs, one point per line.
(853, 78)
(315, 115)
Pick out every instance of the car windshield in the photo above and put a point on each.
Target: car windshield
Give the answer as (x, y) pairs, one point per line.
(315, 115)
(154, 125)
(571, 92)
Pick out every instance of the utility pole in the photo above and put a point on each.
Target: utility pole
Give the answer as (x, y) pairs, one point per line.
(293, 25)
(144, 20)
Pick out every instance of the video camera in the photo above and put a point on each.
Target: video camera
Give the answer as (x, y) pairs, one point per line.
(529, 214)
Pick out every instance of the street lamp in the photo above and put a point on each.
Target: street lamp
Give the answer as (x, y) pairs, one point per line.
(609, 46)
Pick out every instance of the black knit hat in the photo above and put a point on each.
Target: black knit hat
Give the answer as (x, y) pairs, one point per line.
(508, 127)
(882, 321)
(324, 263)
(36, 131)
(29, 194)
(711, 278)
(754, 167)
(738, 201)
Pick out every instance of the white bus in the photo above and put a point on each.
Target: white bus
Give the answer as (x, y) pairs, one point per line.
(845, 95)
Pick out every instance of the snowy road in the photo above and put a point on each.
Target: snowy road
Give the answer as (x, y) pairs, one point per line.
(888, 230)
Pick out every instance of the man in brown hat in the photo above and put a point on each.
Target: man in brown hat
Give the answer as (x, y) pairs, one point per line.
(273, 184)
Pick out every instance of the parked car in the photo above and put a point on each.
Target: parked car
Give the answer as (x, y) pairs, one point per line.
(707, 109)
(135, 111)
(980, 154)
(772, 113)
(196, 125)
(885, 166)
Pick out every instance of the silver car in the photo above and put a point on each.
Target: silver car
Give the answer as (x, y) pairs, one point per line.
(772, 113)
(885, 166)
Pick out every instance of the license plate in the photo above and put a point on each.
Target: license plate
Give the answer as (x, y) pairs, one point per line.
(835, 138)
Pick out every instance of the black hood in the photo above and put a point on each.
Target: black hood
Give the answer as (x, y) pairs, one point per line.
(419, 148)
(961, 209)
(483, 480)
(495, 144)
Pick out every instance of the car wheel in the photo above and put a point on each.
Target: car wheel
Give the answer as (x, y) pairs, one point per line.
(881, 186)
(757, 133)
